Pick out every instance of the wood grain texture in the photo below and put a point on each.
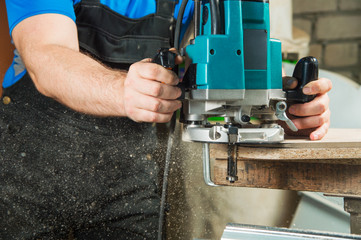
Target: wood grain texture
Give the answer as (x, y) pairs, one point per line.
(332, 165)
(316, 177)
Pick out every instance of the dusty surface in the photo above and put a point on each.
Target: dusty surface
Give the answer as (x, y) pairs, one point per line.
(200, 211)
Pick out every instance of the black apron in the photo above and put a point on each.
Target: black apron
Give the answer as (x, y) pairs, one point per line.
(65, 171)
(115, 39)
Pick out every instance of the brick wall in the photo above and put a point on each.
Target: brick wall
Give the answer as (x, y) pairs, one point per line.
(335, 30)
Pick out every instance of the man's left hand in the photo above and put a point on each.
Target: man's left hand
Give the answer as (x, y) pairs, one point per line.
(312, 118)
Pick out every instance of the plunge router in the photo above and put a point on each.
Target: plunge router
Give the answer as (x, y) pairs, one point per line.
(236, 73)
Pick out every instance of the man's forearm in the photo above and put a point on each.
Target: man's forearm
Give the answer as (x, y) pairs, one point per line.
(76, 80)
(48, 44)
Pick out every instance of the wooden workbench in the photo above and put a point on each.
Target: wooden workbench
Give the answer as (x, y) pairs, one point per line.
(332, 166)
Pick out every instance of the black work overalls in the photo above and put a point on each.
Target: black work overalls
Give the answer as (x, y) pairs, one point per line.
(64, 170)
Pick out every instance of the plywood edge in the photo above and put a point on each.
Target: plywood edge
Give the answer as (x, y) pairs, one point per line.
(330, 155)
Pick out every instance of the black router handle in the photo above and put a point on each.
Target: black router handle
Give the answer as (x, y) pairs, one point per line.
(165, 58)
(306, 70)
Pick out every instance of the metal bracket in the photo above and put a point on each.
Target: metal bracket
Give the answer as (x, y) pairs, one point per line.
(207, 166)
(219, 134)
(281, 108)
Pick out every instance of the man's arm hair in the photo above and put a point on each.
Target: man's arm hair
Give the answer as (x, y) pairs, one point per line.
(48, 45)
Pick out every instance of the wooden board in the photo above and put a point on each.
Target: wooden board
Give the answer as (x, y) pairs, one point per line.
(332, 165)
(335, 138)
(316, 177)
(351, 156)
(338, 146)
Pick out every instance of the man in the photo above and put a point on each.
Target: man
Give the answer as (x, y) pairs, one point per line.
(77, 141)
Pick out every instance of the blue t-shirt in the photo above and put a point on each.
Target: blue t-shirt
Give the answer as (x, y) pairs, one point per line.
(18, 10)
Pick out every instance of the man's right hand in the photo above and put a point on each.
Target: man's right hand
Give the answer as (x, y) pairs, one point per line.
(48, 45)
(150, 93)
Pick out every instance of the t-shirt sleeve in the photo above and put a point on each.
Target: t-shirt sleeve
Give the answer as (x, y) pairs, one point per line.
(18, 10)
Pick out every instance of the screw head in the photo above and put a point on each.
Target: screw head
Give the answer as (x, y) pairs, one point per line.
(245, 118)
